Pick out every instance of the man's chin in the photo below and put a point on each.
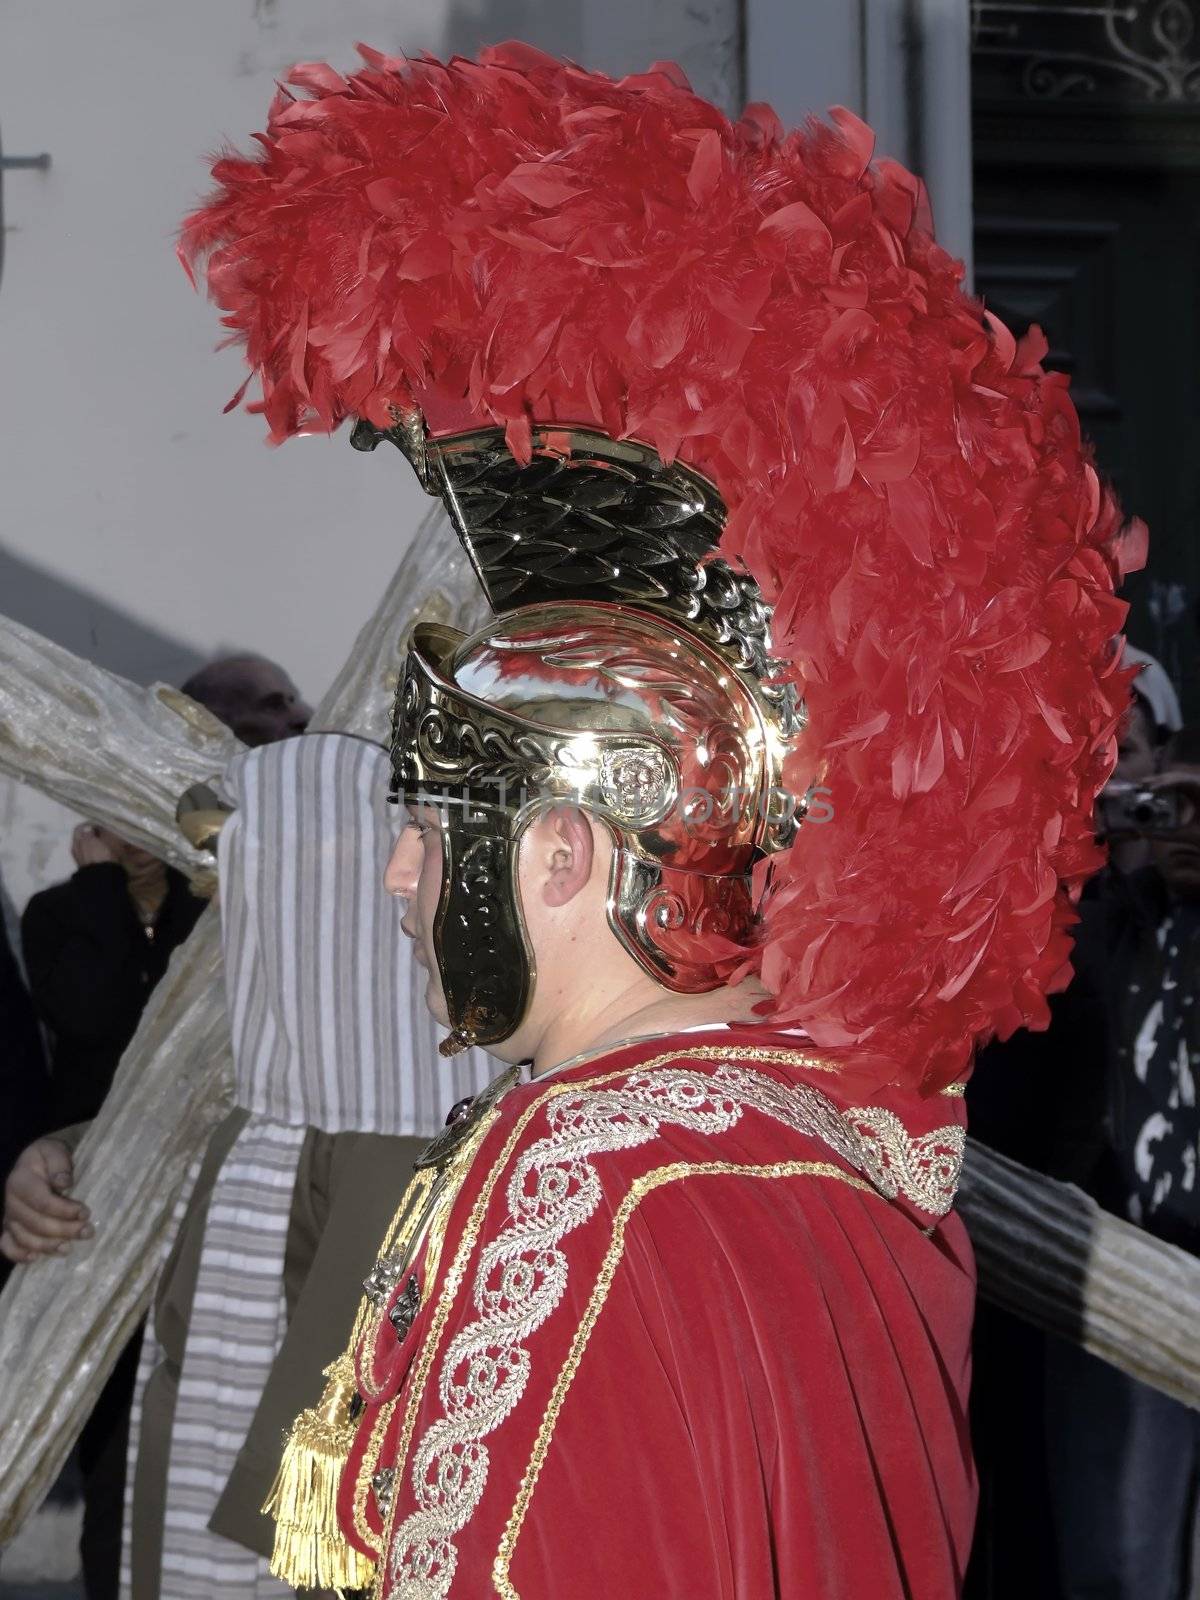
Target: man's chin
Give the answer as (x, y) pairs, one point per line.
(435, 1003)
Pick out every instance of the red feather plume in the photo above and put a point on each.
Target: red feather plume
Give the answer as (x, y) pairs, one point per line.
(515, 241)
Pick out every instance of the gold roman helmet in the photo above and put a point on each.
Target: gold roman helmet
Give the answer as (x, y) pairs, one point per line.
(628, 671)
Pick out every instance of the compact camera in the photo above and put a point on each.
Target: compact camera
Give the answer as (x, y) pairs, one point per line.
(1131, 808)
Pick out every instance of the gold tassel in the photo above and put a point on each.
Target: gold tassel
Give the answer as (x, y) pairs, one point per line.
(310, 1549)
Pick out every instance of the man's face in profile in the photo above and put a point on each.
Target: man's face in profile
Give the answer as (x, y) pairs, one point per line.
(414, 874)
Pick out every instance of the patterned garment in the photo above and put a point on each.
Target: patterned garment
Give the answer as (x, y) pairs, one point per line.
(1156, 1118)
(330, 1031)
(676, 1308)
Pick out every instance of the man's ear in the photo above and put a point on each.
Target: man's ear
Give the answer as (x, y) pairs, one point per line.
(569, 853)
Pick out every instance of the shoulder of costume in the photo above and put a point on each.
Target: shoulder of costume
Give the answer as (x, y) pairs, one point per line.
(563, 1170)
(740, 1099)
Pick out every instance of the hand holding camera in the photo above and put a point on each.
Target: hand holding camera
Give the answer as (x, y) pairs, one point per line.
(1164, 806)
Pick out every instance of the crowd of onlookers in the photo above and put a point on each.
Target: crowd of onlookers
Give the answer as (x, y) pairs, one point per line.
(92, 951)
(1090, 1479)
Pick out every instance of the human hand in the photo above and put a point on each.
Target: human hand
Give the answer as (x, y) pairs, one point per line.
(91, 845)
(40, 1218)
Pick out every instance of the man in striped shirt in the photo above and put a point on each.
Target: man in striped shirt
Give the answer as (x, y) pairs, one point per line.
(338, 1086)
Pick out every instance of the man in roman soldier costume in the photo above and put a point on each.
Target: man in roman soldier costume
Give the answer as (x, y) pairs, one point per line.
(764, 796)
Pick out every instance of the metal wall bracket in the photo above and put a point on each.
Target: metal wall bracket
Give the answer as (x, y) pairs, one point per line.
(39, 163)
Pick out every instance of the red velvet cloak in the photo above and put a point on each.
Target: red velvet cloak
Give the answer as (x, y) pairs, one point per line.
(698, 1328)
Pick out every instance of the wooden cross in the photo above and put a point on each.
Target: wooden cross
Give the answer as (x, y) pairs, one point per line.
(124, 755)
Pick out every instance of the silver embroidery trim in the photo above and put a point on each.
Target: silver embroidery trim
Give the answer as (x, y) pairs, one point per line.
(924, 1169)
(522, 1273)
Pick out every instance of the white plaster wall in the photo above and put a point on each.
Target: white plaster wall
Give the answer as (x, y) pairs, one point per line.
(140, 526)
(144, 528)
(903, 65)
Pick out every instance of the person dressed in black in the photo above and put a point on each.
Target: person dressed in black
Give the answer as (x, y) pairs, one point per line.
(1124, 1459)
(95, 947)
(1103, 1475)
(24, 1087)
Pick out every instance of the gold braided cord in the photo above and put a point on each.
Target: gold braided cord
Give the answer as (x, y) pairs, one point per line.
(638, 1191)
(403, 1231)
(362, 1486)
(774, 1055)
(457, 1272)
(427, 1224)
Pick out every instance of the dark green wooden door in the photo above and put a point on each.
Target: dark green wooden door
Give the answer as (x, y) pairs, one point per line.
(1087, 207)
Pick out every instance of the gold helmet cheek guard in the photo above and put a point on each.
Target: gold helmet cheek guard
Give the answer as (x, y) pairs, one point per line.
(481, 947)
(483, 952)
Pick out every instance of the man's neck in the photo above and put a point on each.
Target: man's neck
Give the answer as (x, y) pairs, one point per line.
(642, 1014)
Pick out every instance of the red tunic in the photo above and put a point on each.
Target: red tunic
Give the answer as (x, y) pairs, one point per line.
(698, 1328)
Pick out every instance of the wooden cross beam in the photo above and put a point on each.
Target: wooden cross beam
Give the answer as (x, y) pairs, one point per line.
(1050, 1255)
(117, 752)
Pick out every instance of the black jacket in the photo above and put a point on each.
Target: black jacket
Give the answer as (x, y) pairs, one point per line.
(24, 1086)
(1077, 1101)
(91, 970)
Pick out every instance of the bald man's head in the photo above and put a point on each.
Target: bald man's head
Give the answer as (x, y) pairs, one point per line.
(252, 696)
